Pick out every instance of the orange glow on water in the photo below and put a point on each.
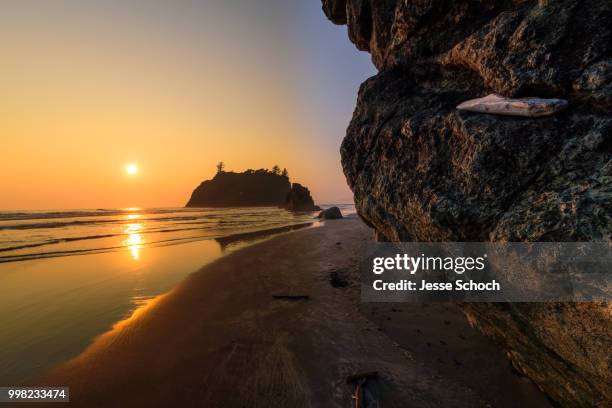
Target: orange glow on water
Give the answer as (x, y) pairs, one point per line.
(134, 241)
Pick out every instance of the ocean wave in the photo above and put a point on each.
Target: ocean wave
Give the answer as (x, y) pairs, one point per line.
(33, 235)
(32, 215)
(62, 224)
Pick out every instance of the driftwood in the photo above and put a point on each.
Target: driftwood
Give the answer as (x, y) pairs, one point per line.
(360, 376)
(529, 107)
(361, 396)
(291, 297)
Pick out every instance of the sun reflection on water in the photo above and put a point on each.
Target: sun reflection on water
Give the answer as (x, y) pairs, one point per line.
(134, 241)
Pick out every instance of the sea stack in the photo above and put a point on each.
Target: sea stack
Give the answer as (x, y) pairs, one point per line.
(252, 188)
(299, 199)
(422, 171)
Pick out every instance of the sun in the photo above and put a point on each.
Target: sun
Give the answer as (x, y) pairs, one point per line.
(131, 169)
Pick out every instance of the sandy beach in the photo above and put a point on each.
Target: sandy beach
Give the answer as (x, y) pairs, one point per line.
(226, 337)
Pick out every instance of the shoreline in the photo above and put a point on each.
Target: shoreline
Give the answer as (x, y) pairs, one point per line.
(84, 232)
(224, 240)
(231, 335)
(109, 286)
(269, 233)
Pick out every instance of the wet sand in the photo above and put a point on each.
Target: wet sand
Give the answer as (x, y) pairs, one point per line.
(227, 337)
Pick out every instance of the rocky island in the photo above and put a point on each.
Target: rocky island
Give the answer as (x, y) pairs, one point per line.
(421, 170)
(299, 199)
(252, 188)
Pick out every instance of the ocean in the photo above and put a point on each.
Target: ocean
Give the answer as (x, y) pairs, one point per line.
(40, 234)
(67, 277)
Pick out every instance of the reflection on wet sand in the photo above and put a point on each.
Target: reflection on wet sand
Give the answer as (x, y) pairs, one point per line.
(52, 309)
(133, 319)
(249, 237)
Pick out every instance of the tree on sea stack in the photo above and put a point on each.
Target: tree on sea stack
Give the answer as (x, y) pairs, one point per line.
(285, 173)
(276, 169)
(220, 167)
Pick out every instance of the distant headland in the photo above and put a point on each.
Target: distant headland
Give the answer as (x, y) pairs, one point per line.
(252, 188)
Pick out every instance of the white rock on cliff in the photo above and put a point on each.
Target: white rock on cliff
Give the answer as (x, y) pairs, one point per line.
(498, 105)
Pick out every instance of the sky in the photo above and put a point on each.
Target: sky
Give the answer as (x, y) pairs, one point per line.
(173, 87)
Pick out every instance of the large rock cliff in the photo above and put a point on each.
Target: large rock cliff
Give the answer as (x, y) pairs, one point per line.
(421, 171)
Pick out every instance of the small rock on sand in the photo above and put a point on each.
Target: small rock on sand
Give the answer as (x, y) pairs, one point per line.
(331, 213)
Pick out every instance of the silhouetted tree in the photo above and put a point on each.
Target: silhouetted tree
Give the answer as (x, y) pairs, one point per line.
(285, 173)
(220, 167)
(276, 169)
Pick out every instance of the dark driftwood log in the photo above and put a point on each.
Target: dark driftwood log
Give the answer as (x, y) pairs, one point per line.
(361, 376)
(291, 297)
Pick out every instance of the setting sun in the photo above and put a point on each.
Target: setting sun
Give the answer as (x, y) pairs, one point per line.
(131, 169)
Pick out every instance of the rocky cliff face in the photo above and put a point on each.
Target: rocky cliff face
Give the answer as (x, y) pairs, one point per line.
(421, 171)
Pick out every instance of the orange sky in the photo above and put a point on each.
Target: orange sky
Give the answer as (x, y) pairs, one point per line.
(89, 89)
